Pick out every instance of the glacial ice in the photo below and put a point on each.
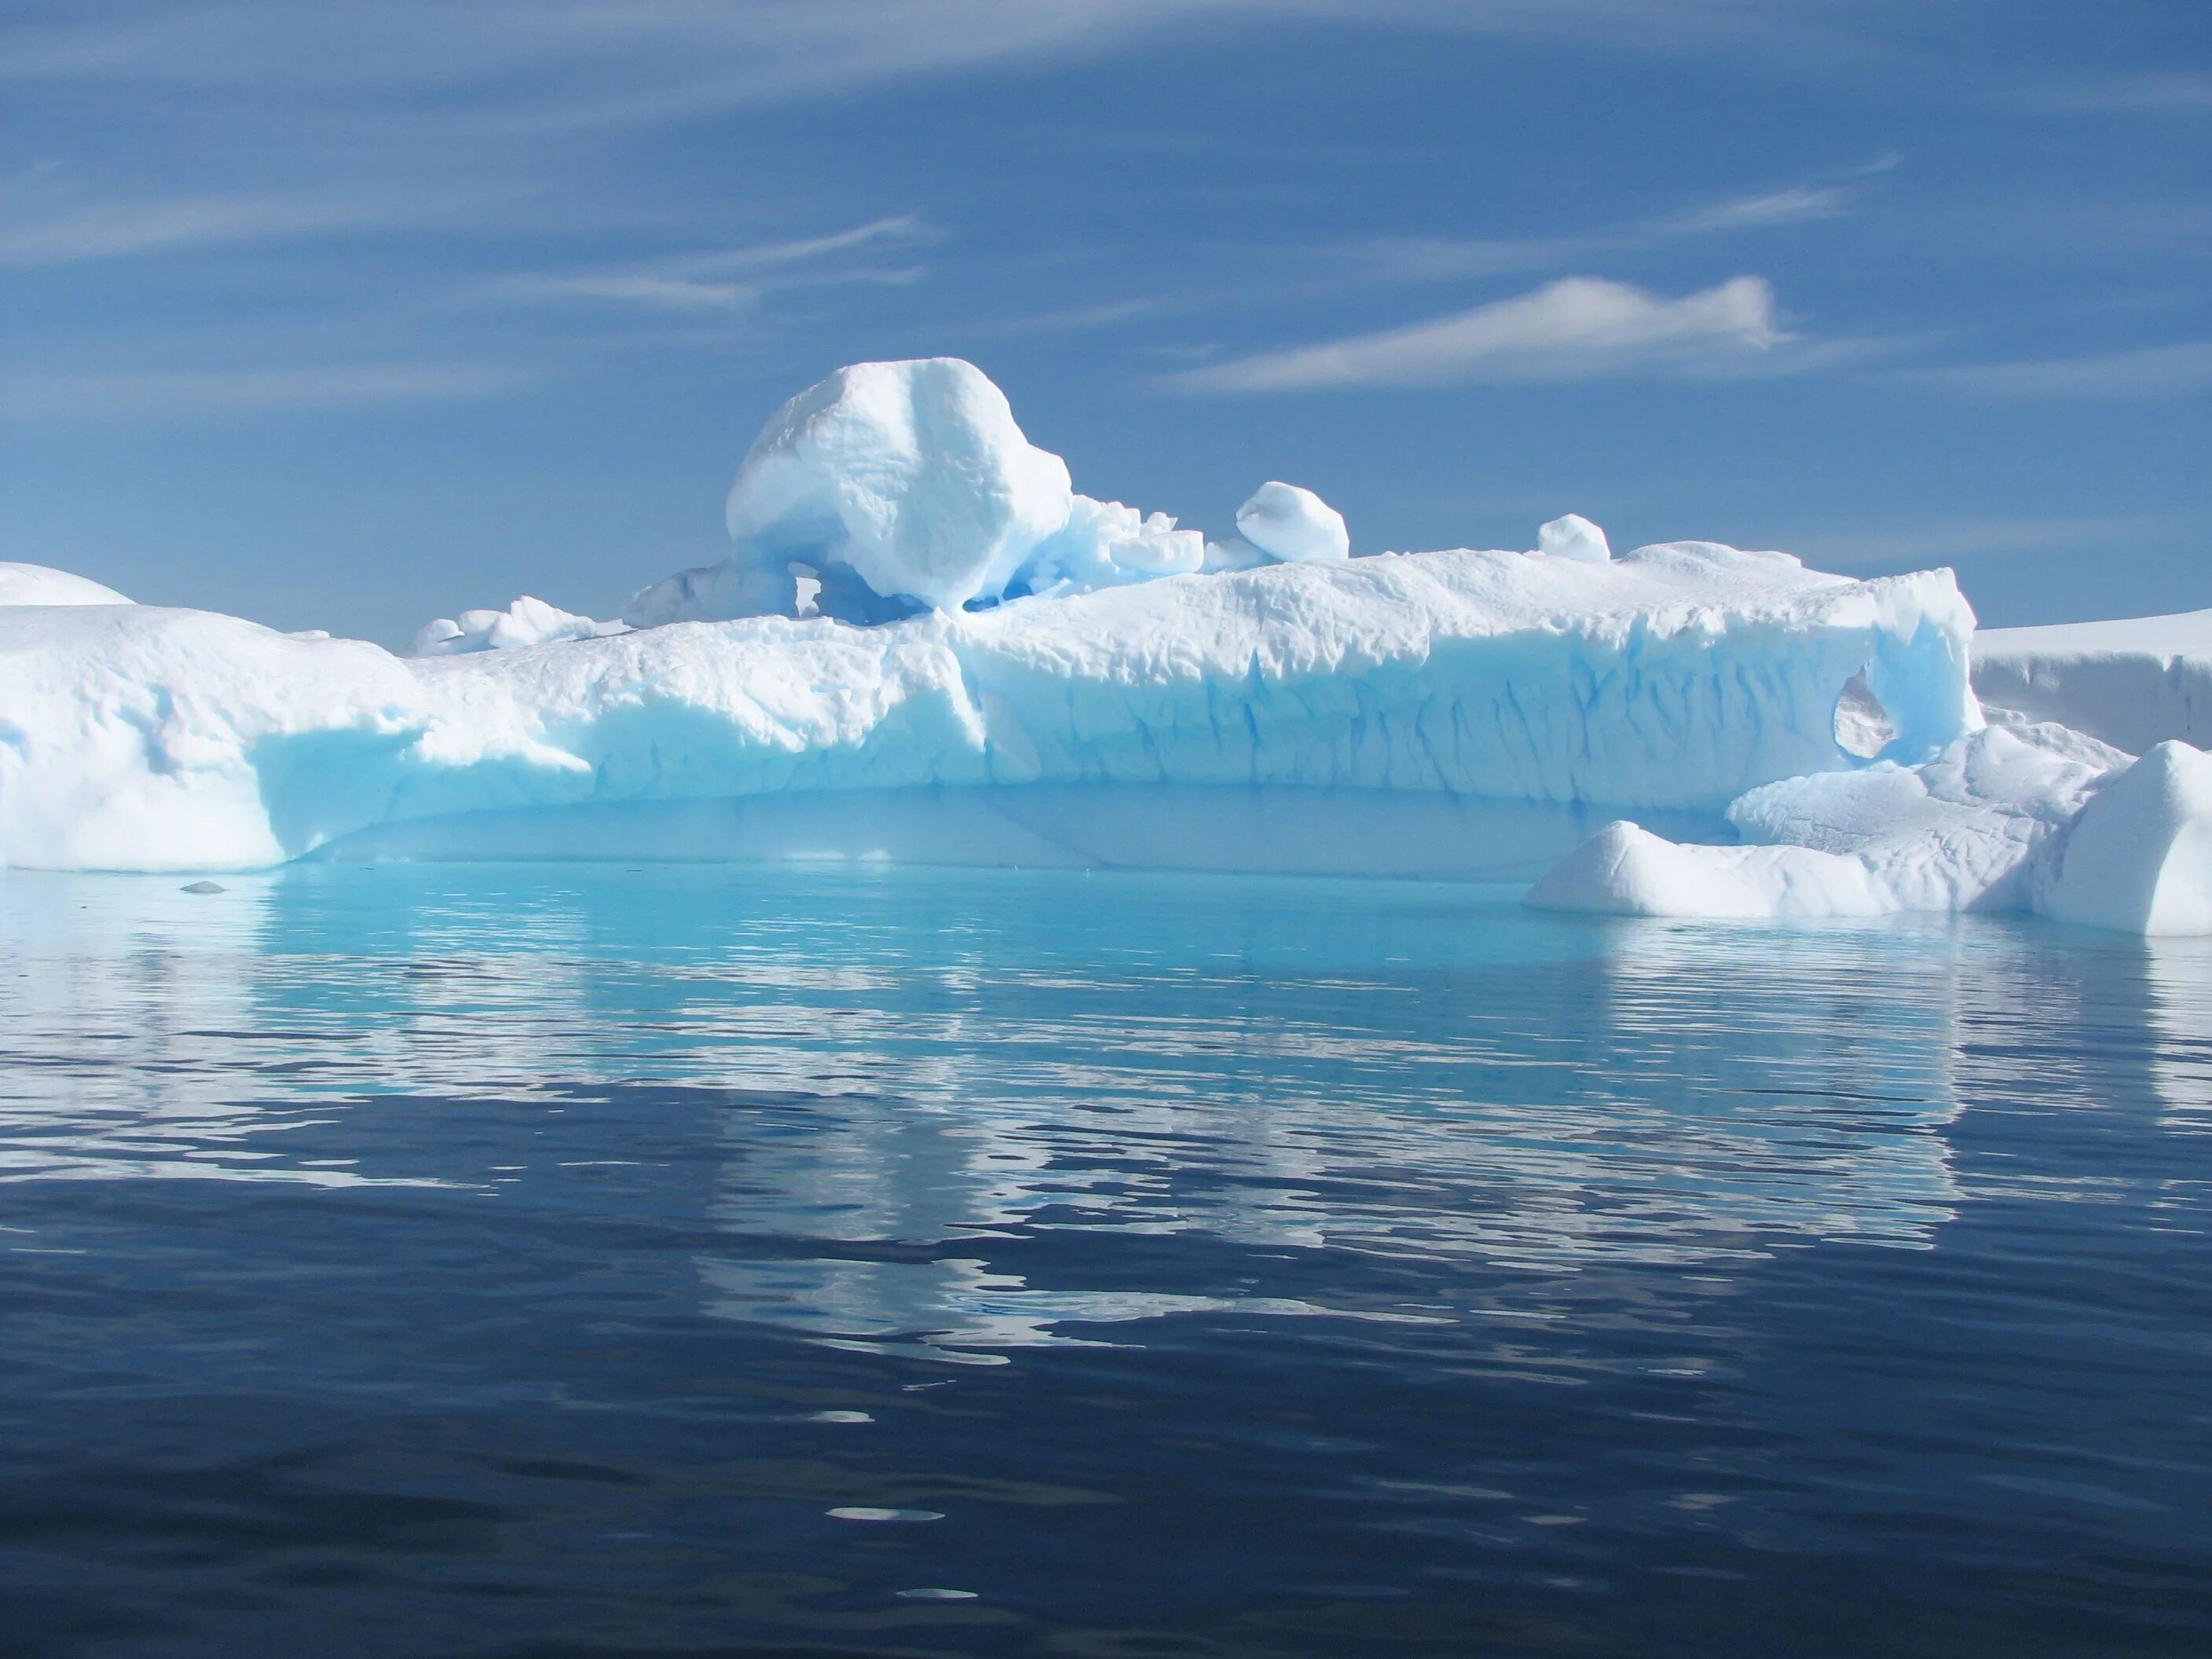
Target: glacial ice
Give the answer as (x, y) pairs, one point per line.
(925, 645)
(1670, 681)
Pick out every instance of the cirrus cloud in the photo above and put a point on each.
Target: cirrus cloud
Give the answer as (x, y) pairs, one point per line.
(1577, 328)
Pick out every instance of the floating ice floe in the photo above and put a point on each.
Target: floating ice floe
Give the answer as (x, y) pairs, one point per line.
(1686, 730)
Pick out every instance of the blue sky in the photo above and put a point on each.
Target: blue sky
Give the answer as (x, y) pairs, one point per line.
(351, 315)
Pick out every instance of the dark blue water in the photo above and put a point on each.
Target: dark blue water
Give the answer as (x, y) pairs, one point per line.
(585, 1261)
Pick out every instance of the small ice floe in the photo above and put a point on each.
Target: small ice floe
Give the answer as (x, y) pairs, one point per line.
(205, 887)
(864, 1512)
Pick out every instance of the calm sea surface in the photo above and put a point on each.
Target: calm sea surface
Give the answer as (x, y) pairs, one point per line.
(583, 1261)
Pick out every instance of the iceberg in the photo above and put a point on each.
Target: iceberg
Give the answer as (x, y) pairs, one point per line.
(926, 646)
(1670, 681)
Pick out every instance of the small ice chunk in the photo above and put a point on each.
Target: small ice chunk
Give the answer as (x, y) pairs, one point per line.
(1573, 537)
(1292, 525)
(527, 621)
(204, 887)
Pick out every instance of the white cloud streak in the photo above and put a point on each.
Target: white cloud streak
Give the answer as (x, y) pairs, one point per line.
(657, 60)
(73, 233)
(1432, 258)
(687, 283)
(1577, 328)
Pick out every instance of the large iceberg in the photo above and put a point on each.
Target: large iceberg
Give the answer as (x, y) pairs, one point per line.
(926, 646)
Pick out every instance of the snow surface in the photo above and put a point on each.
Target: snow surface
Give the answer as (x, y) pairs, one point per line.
(2134, 683)
(39, 584)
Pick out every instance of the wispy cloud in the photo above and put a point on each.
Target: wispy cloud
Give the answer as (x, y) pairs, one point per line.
(904, 230)
(656, 293)
(164, 394)
(2164, 371)
(1433, 259)
(1577, 328)
(702, 283)
(48, 232)
(1793, 206)
(663, 60)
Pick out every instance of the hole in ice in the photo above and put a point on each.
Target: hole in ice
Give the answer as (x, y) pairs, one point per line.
(807, 584)
(1863, 725)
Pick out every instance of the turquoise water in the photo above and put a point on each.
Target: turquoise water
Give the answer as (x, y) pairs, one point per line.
(578, 1259)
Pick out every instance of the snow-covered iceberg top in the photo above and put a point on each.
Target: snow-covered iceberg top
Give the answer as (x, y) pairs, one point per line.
(39, 584)
(1677, 677)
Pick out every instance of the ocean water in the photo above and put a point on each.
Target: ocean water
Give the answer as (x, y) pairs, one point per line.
(591, 1261)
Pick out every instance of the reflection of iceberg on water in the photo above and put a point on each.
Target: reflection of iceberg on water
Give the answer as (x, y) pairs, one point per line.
(1710, 1105)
